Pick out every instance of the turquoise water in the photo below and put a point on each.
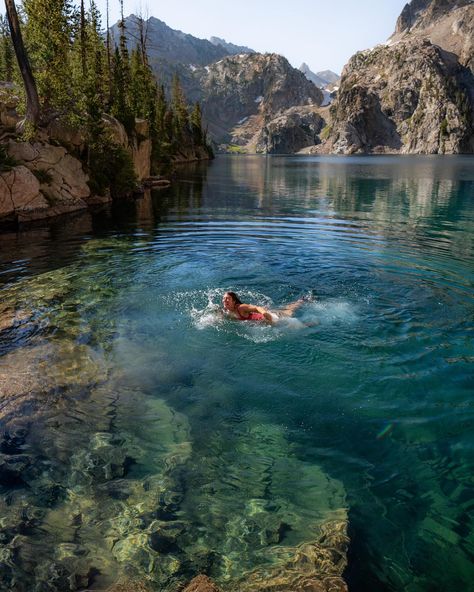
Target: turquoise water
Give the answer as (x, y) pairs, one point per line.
(146, 438)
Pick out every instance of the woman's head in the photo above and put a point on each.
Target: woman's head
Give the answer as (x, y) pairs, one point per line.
(230, 300)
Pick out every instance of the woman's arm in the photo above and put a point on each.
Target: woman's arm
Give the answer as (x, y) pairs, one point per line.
(246, 309)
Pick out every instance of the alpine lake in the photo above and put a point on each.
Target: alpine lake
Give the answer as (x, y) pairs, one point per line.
(145, 438)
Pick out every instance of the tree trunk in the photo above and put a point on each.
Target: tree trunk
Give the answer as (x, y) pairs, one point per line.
(32, 100)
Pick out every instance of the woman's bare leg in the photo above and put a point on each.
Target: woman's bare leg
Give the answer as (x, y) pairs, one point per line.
(290, 309)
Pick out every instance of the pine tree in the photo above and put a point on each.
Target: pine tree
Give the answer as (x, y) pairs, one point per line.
(49, 34)
(120, 105)
(83, 40)
(95, 81)
(6, 51)
(195, 123)
(179, 109)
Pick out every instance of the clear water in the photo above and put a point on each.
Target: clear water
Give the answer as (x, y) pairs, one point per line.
(146, 438)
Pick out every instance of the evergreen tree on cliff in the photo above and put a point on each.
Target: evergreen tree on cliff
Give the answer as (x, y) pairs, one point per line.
(6, 57)
(179, 109)
(195, 121)
(32, 101)
(49, 34)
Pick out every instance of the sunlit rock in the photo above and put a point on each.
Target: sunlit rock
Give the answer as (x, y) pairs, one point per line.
(413, 94)
(201, 584)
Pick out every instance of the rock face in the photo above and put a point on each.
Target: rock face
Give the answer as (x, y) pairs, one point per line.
(47, 183)
(411, 95)
(242, 94)
(447, 23)
(171, 52)
(291, 131)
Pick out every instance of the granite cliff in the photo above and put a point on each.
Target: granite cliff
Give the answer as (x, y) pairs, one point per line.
(414, 94)
(248, 98)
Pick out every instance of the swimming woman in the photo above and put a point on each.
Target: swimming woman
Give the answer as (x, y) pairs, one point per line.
(237, 309)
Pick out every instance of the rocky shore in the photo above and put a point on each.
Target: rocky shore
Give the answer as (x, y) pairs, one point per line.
(45, 178)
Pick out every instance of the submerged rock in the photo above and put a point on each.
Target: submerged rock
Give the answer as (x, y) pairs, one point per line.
(130, 585)
(310, 567)
(201, 584)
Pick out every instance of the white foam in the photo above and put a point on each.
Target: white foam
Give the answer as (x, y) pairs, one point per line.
(329, 312)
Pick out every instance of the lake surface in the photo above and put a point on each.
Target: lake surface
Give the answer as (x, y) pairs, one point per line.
(144, 437)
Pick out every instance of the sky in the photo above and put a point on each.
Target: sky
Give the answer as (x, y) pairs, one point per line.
(322, 33)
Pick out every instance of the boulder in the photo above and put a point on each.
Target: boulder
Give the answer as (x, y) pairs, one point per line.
(63, 188)
(73, 176)
(48, 155)
(8, 104)
(6, 203)
(20, 190)
(9, 118)
(24, 186)
(22, 151)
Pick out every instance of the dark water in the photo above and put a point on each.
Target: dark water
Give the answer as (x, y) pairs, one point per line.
(146, 437)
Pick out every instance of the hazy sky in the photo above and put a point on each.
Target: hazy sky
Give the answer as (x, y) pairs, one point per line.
(322, 33)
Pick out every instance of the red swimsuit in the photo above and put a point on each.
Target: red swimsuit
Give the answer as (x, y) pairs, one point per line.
(253, 316)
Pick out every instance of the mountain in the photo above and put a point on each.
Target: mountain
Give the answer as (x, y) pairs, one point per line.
(424, 14)
(251, 101)
(243, 95)
(170, 52)
(320, 79)
(164, 43)
(414, 94)
(315, 79)
(329, 76)
(230, 47)
(448, 24)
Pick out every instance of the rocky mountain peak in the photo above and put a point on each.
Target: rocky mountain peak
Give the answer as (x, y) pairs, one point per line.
(419, 14)
(448, 24)
(165, 43)
(243, 93)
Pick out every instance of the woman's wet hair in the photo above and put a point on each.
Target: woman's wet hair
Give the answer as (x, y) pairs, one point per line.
(234, 297)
